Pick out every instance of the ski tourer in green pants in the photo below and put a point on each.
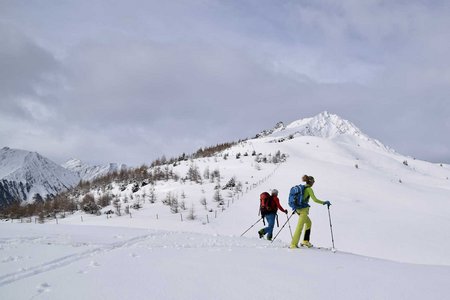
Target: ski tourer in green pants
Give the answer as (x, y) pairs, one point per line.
(304, 220)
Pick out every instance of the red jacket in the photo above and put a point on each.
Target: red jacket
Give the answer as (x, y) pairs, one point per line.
(277, 201)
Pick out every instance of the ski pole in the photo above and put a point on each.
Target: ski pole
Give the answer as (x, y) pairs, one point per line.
(283, 226)
(331, 226)
(290, 230)
(251, 226)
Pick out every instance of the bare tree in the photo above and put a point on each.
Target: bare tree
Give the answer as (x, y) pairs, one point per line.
(174, 204)
(117, 205)
(217, 196)
(203, 202)
(183, 205)
(191, 215)
(193, 174)
(206, 173)
(104, 200)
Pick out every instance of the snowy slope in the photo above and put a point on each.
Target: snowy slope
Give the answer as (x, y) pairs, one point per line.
(390, 220)
(97, 262)
(383, 208)
(87, 172)
(24, 174)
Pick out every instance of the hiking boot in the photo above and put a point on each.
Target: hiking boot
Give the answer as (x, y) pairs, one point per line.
(261, 233)
(306, 244)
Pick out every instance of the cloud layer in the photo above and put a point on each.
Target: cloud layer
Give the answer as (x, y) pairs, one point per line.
(112, 81)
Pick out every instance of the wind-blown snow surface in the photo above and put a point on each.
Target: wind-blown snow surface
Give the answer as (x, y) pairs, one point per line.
(393, 238)
(94, 262)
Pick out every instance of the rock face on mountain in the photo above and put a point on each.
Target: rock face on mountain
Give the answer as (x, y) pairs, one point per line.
(25, 174)
(278, 127)
(87, 172)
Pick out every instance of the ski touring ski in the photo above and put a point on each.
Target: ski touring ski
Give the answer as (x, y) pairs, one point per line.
(315, 248)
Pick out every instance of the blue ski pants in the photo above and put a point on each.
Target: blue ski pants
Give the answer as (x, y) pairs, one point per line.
(270, 224)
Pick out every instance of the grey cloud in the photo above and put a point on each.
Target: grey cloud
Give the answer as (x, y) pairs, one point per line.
(27, 73)
(131, 84)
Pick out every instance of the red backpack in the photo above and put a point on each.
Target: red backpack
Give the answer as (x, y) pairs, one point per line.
(267, 204)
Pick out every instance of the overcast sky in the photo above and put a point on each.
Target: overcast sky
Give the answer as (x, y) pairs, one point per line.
(128, 81)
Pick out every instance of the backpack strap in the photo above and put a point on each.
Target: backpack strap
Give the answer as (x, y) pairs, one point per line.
(300, 192)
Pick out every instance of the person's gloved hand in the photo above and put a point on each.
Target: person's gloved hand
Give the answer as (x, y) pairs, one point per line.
(328, 203)
(285, 211)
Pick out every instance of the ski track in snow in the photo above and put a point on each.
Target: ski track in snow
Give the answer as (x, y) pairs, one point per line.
(174, 240)
(162, 255)
(66, 260)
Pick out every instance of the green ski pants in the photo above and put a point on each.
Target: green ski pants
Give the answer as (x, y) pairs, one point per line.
(303, 221)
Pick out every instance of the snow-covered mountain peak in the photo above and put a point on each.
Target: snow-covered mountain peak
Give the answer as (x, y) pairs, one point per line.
(74, 164)
(11, 160)
(24, 174)
(324, 125)
(88, 172)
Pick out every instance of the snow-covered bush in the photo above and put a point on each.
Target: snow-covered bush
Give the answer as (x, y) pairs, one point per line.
(136, 205)
(88, 204)
(217, 196)
(152, 195)
(230, 184)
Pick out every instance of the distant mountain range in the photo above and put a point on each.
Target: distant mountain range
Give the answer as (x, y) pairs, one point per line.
(27, 176)
(87, 172)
